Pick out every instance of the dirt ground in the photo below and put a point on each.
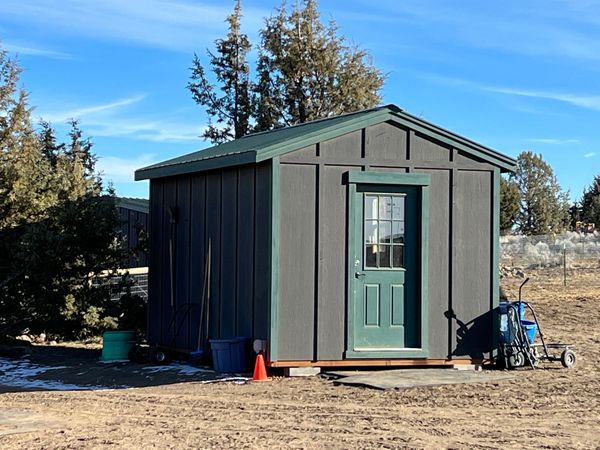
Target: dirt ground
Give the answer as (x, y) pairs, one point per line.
(550, 407)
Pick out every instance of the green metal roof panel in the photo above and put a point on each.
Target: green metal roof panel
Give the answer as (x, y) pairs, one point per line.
(135, 204)
(261, 146)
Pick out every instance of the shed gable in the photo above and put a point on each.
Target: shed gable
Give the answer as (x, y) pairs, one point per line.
(264, 146)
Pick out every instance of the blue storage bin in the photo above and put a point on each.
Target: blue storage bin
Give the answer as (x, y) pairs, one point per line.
(530, 329)
(229, 355)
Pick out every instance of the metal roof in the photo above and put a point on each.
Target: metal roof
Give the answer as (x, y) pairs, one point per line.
(257, 147)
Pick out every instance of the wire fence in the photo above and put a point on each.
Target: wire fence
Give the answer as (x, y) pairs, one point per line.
(571, 250)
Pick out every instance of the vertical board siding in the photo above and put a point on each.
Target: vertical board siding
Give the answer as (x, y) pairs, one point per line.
(423, 149)
(471, 264)
(196, 284)
(439, 258)
(229, 220)
(182, 264)
(155, 272)
(297, 262)
(262, 251)
(131, 222)
(331, 306)
(385, 142)
(213, 238)
(169, 302)
(245, 253)
(347, 146)
(231, 209)
(312, 194)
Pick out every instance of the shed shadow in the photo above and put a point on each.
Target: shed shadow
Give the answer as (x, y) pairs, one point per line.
(473, 338)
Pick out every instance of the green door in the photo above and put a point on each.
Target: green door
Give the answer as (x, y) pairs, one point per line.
(385, 276)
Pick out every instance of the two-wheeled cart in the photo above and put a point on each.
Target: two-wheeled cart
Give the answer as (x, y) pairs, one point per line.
(517, 338)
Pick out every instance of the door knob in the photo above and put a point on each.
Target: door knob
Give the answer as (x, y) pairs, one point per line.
(359, 274)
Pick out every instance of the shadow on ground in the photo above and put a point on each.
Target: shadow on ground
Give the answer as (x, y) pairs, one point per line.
(78, 367)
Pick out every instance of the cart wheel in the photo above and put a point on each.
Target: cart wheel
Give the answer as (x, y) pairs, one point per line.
(158, 356)
(568, 358)
(516, 360)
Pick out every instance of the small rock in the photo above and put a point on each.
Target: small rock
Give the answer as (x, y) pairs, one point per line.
(42, 337)
(52, 343)
(24, 337)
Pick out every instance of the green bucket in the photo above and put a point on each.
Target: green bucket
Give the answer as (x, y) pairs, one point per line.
(116, 345)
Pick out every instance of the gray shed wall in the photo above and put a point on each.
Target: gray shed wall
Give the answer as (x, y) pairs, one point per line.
(231, 209)
(132, 222)
(312, 272)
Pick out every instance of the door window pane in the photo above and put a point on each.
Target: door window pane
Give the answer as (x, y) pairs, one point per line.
(398, 208)
(385, 208)
(371, 256)
(371, 208)
(398, 256)
(371, 232)
(385, 255)
(398, 232)
(385, 232)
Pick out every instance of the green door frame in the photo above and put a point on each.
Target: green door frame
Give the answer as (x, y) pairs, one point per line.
(421, 180)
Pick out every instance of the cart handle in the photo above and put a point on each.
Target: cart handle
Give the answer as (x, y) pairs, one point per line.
(521, 287)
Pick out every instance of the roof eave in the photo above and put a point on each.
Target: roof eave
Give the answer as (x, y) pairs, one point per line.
(201, 165)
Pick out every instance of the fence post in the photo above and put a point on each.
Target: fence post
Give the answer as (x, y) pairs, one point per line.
(564, 264)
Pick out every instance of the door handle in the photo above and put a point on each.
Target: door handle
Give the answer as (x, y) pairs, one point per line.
(359, 274)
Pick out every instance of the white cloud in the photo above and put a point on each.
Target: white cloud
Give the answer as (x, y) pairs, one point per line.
(580, 100)
(529, 28)
(116, 119)
(589, 155)
(35, 51)
(84, 112)
(121, 170)
(175, 24)
(153, 130)
(554, 141)
(583, 101)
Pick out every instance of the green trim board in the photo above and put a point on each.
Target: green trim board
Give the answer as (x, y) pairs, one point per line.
(495, 263)
(386, 182)
(273, 347)
(262, 146)
(404, 179)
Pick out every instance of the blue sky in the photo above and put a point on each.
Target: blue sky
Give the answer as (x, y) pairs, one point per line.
(512, 75)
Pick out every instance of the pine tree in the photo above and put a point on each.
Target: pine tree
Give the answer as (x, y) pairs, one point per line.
(590, 203)
(544, 205)
(510, 202)
(306, 71)
(232, 108)
(57, 228)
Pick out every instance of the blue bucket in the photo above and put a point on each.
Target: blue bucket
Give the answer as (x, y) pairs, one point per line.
(530, 329)
(229, 355)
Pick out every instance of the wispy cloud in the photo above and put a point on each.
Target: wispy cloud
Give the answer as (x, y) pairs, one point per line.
(36, 51)
(83, 112)
(175, 24)
(580, 100)
(589, 155)
(120, 170)
(120, 118)
(554, 141)
(146, 130)
(527, 28)
(583, 101)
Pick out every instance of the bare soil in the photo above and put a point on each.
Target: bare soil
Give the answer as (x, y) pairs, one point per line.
(550, 407)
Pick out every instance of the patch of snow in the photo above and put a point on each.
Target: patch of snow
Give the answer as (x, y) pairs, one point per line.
(18, 373)
(182, 369)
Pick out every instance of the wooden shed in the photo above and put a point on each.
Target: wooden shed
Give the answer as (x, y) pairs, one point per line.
(364, 239)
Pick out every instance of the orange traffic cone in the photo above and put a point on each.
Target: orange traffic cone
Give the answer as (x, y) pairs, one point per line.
(260, 371)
